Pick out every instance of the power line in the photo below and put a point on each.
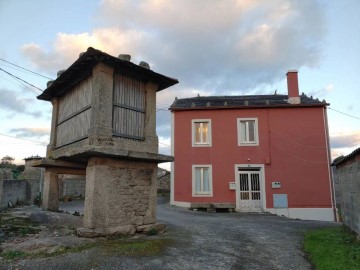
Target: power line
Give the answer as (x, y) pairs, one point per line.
(20, 138)
(12, 75)
(358, 118)
(28, 70)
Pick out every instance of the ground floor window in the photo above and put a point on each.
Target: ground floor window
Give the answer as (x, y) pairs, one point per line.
(202, 180)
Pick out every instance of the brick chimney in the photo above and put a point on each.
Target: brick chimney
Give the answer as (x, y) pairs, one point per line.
(293, 87)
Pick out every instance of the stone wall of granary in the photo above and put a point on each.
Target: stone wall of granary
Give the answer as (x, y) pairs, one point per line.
(348, 177)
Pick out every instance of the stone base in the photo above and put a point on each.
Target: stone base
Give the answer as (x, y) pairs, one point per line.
(158, 228)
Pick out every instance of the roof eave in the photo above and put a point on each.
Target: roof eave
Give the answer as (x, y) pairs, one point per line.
(248, 107)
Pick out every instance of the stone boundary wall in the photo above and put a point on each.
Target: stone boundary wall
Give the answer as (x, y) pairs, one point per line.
(348, 179)
(72, 187)
(14, 190)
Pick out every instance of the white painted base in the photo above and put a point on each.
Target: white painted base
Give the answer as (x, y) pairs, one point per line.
(323, 214)
(181, 204)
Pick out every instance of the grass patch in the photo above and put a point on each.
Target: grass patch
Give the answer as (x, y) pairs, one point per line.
(333, 249)
(13, 255)
(138, 247)
(113, 247)
(16, 227)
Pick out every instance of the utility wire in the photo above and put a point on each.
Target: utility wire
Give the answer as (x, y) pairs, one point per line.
(358, 118)
(20, 83)
(26, 69)
(12, 75)
(20, 138)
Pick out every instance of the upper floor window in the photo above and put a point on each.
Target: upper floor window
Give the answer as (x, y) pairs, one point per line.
(201, 132)
(202, 180)
(248, 131)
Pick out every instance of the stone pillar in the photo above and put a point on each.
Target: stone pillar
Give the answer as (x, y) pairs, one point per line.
(150, 118)
(102, 101)
(51, 191)
(55, 114)
(120, 197)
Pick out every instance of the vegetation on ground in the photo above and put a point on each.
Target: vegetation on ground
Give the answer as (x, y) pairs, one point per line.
(7, 163)
(333, 249)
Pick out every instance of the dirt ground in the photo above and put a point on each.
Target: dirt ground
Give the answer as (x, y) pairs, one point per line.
(193, 240)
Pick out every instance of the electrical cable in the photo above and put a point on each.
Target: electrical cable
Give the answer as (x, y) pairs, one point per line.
(358, 118)
(28, 70)
(12, 75)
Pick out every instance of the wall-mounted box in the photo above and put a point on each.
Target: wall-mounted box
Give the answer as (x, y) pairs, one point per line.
(276, 184)
(280, 200)
(232, 185)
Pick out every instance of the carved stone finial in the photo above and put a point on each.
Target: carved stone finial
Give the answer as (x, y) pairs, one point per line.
(208, 104)
(126, 57)
(49, 83)
(225, 103)
(60, 72)
(246, 102)
(193, 105)
(144, 64)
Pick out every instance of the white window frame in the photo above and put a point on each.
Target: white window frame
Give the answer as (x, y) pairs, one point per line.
(204, 193)
(202, 144)
(256, 132)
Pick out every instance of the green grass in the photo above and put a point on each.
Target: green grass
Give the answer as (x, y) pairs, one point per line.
(146, 247)
(333, 249)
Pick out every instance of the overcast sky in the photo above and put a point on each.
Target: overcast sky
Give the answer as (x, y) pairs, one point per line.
(212, 47)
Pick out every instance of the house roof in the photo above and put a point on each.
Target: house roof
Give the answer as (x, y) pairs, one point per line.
(229, 102)
(344, 159)
(82, 68)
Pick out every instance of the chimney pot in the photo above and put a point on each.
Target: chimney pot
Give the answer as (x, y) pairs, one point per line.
(293, 87)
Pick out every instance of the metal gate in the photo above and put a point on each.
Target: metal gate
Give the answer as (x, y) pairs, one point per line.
(250, 192)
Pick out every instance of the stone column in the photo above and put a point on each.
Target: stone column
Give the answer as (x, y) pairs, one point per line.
(150, 118)
(55, 113)
(120, 197)
(51, 190)
(102, 104)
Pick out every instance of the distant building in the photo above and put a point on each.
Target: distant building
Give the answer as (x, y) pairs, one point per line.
(260, 153)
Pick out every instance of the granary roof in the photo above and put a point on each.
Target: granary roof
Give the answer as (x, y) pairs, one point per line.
(82, 68)
(247, 101)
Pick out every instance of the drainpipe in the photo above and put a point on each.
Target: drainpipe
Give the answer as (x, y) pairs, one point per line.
(332, 189)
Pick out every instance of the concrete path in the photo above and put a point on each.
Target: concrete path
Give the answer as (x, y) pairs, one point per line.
(204, 241)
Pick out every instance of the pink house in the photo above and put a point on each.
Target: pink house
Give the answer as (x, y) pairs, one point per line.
(264, 153)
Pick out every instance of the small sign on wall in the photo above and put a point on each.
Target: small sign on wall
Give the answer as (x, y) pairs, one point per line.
(276, 185)
(232, 185)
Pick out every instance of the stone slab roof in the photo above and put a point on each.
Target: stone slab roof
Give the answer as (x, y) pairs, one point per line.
(82, 68)
(344, 160)
(247, 101)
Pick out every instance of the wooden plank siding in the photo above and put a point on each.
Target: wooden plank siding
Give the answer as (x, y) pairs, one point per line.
(74, 114)
(128, 107)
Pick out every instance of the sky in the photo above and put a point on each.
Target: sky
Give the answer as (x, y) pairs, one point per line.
(212, 47)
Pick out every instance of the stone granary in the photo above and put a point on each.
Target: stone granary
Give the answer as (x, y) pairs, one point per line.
(104, 126)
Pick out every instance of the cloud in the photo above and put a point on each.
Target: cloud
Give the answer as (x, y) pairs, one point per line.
(30, 132)
(216, 46)
(323, 92)
(13, 104)
(345, 140)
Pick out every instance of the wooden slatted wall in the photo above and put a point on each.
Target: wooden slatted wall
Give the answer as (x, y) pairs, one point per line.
(128, 107)
(74, 114)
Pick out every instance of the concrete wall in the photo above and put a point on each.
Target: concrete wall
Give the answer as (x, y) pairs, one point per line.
(348, 177)
(14, 190)
(72, 186)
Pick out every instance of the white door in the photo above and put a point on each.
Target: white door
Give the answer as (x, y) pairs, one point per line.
(250, 193)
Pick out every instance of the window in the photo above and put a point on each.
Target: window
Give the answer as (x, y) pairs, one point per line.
(247, 131)
(201, 132)
(202, 180)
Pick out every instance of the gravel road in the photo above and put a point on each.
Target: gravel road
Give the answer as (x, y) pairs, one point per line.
(203, 240)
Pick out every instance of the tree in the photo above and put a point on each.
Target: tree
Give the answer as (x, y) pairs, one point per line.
(7, 161)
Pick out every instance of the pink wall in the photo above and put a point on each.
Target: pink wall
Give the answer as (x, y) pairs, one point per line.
(293, 139)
